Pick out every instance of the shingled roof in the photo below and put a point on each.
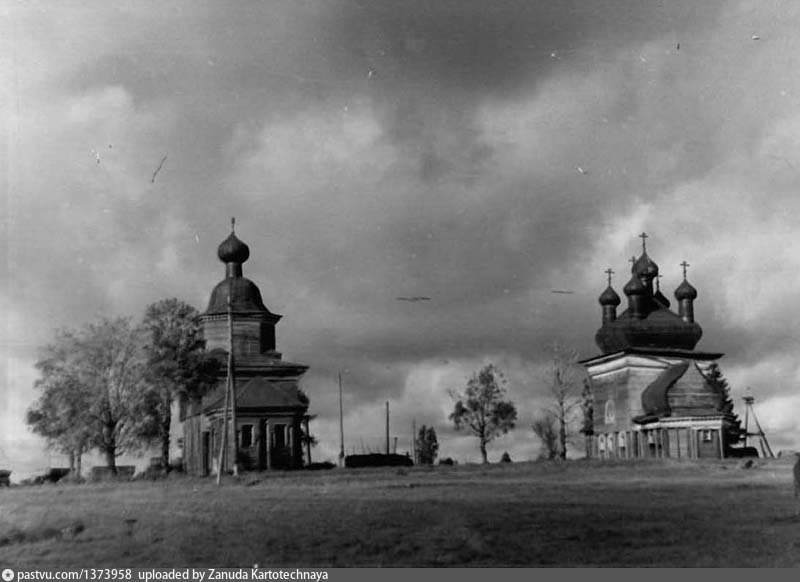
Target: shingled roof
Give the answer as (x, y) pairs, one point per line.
(680, 390)
(260, 392)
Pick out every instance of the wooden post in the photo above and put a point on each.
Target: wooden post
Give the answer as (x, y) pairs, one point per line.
(341, 424)
(268, 443)
(721, 446)
(678, 441)
(232, 382)
(224, 438)
(387, 427)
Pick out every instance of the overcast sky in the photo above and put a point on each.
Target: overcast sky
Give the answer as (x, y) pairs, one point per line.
(482, 154)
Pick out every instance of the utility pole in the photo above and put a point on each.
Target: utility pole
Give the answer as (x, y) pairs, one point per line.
(231, 375)
(341, 424)
(387, 427)
(224, 436)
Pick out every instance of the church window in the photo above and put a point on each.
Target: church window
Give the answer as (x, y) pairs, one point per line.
(246, 436)
(601, 443)
(706, 434)
(621, 440)
(610, 412)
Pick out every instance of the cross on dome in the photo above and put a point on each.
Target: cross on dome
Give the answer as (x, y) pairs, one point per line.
(609, 272)
(684, 264)
(644, 237)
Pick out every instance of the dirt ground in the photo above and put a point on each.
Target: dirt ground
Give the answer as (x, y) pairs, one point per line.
(579, 513)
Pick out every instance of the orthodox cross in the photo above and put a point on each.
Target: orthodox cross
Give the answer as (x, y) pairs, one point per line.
(643, 236)
(658, 282)
(632, 260)
(233, 224)
(684, 264)
(609, 272)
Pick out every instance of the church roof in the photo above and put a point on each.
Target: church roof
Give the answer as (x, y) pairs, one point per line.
(680, 390)
(648, 322)
(654, 397)
(260, 392)
(659, 328)
(245, 297)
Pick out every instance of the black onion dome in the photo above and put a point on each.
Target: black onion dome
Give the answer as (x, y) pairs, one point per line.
(685, 291)
(245, 297)
(609, 297)
(634, 287)
(232, 250)
(659, 329)
(644, 267)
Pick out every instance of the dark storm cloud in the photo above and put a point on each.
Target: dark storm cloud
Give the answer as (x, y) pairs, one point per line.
(481, 153)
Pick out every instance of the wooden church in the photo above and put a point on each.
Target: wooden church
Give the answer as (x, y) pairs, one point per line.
(270, 407)
(654, 394)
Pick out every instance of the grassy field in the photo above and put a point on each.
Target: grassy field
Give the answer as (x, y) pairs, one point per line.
(524, 514)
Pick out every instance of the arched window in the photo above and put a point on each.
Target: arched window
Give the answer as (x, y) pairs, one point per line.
(622, 442)
(610, 412)
(601, 443)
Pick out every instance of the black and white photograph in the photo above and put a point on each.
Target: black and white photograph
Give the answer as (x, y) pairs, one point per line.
(323, 284)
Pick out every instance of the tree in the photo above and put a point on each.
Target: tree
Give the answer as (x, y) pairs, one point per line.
(427, 445)
(544, 427)
(565, 382)
(94, 378)
(60, 415)
(481, 407)
(732, 427)
(178, 367)
(307, 438)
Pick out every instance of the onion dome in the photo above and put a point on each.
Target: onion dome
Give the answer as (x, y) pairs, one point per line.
(609, 297)
(232, 250)
(634, 287)
(685, 291)
(235, 292)
(645, 267)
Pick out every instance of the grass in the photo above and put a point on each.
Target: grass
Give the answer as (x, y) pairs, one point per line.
(580, 513)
